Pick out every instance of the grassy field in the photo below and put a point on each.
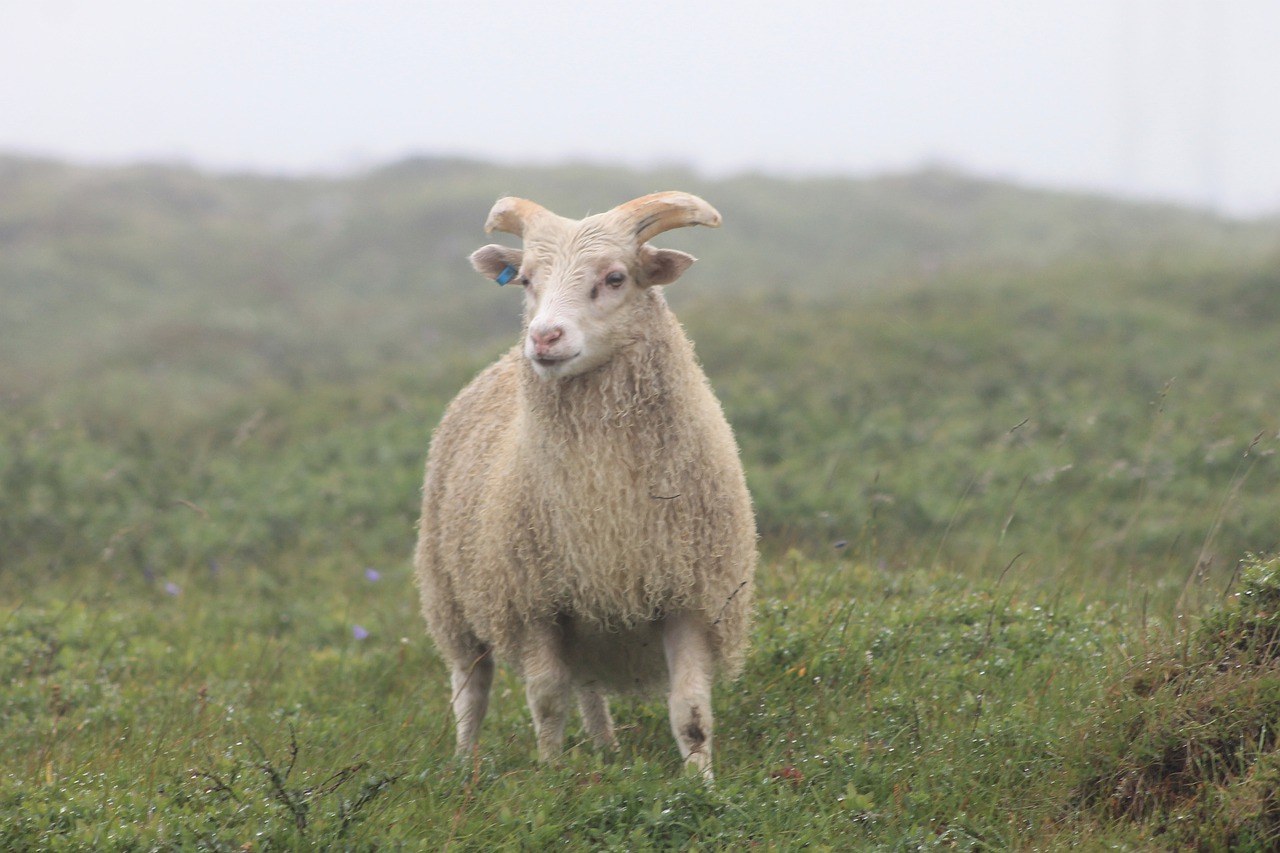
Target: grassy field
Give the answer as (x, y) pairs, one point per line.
(1008, 487)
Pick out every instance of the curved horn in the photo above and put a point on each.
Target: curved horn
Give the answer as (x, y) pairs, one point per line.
(513, 215)
(651, 215)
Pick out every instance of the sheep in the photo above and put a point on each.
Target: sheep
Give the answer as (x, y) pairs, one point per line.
(585, 516)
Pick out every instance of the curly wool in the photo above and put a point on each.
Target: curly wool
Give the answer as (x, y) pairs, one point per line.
(602, 502)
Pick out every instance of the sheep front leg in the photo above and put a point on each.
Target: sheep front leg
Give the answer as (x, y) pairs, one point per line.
(471, 681)
(547, 689)
(688, 651)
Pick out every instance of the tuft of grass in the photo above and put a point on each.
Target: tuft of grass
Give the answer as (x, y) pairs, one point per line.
(1188, 743)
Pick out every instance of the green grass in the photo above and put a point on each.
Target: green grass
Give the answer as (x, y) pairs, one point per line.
(217, 712)
(1187, 741)
(196, 656)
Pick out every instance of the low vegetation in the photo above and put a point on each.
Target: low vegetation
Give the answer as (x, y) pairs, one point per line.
(1008, 488)
(1187, 741)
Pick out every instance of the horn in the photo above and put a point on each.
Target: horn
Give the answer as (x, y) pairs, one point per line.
(651, 215)
(513, 215)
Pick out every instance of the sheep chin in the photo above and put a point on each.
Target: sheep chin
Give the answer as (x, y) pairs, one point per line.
(556, 368)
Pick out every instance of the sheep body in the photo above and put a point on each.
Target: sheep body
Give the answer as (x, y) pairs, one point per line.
(597, 526)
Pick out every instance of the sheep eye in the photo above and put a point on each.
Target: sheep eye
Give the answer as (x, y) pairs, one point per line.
(615, 279)
(524, 280)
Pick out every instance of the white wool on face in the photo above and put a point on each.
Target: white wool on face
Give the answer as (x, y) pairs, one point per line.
(575, 318)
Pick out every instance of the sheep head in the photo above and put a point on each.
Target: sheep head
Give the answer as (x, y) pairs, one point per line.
(585, 281)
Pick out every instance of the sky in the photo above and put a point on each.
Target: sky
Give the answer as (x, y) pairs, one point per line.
(1175, 100)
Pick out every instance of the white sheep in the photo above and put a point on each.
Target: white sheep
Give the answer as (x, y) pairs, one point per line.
(585, 516)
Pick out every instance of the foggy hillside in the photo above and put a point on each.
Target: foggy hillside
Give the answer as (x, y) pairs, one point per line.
(99, 264)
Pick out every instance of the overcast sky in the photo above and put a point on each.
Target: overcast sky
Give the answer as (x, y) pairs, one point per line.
(1174, 99)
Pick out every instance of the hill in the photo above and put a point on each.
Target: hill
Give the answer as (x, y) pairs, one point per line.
(179, 277)
(1001, 442)
(934, 368)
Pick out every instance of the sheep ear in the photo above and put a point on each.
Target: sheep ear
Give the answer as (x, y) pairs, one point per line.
(663, 266)
(500, 263)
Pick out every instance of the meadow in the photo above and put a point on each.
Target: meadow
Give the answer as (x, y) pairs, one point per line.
(1012, 454)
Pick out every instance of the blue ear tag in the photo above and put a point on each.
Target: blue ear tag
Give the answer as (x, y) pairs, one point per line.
(506, 275)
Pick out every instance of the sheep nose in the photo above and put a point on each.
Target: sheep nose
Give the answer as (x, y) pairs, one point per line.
(544, 339)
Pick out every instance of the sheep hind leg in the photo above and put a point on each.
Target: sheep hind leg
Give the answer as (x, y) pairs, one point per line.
(689, 667)
(547, 689)
(471, 680)
(594, 707)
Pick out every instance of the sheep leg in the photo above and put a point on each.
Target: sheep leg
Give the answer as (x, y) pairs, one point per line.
(547, 689)
(471, 680)
(594, 707)
(689, 667)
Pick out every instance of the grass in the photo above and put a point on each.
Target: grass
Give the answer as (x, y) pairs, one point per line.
(1187, 741)
(211, 639)
(212, 642)
(303, 707)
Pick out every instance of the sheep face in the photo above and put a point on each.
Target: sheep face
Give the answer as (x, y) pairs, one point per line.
(585, 281)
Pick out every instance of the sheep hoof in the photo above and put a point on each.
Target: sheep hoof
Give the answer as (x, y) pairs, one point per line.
(699, 763)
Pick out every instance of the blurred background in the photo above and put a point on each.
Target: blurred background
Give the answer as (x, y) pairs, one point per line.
(1159, 99)
(995, 279)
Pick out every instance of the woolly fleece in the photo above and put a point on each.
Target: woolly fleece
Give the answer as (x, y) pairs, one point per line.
(597, 503)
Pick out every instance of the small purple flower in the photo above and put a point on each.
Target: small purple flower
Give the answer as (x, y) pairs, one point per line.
(359, 632)
(372, 575)
(173, 589)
